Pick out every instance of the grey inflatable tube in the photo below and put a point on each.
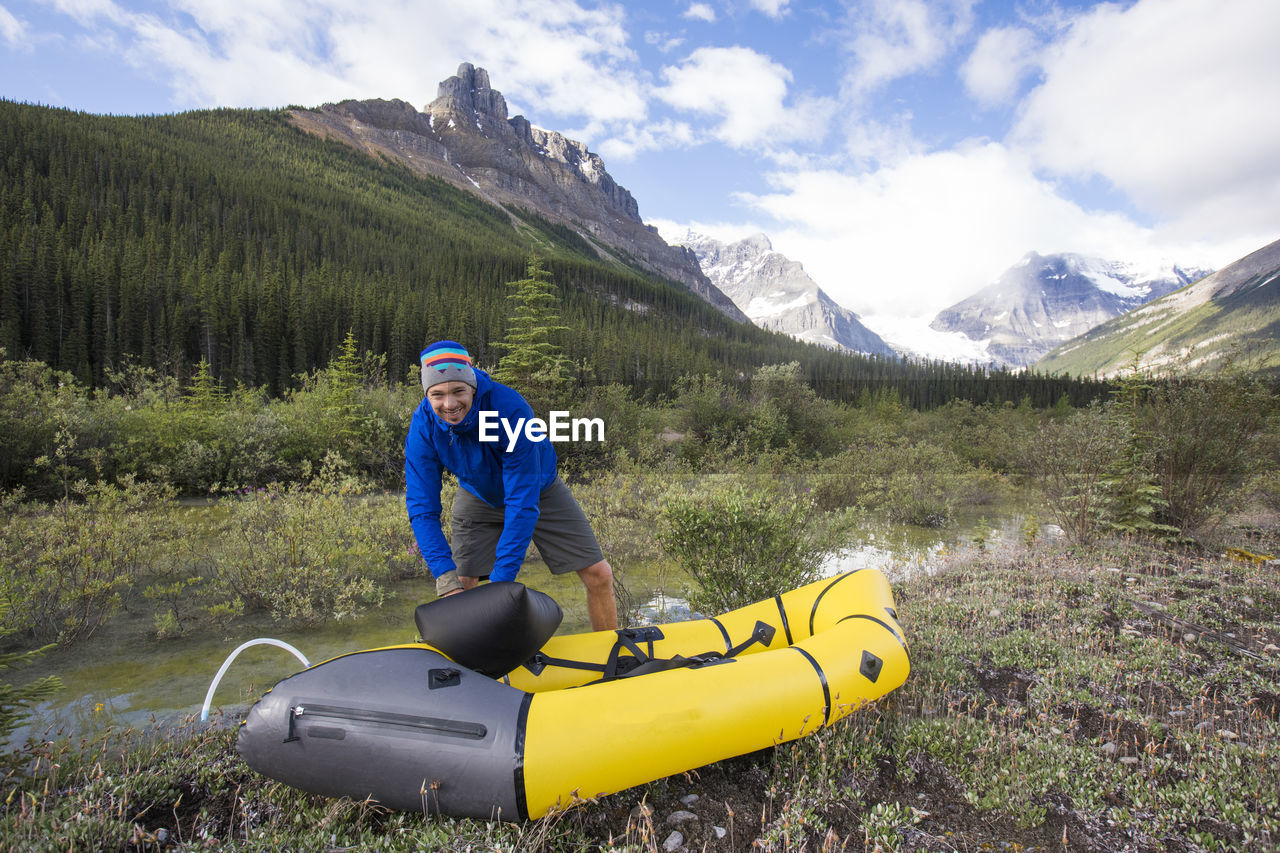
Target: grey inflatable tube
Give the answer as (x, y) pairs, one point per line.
(408, 726)
(405, 726)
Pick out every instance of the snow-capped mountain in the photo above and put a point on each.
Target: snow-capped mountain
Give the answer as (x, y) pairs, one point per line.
(1045, 300)
(1229, 315)
(776, 293)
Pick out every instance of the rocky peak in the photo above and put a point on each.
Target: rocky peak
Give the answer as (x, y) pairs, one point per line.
(468, 95)
(465, 137)
(777, 293)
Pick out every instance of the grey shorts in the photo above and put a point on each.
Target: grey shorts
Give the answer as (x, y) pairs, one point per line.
(562, 533)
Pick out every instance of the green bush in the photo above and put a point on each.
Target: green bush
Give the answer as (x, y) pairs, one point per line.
(52, 432)
(1205, 436)
(304, 554)
(743, 547)
(986, 436)
(712, 417)
(1073, 457)
(805, 422)
(69, 562)
(917, 484)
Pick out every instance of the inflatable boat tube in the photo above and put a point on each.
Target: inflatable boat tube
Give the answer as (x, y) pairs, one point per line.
(584, 715)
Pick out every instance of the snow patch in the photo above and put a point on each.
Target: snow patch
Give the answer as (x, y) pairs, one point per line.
(767, 306)
(912, 336)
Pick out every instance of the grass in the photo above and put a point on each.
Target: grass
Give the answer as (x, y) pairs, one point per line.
(1114, 698)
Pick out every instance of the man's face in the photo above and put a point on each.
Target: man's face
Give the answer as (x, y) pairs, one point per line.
(451, 400)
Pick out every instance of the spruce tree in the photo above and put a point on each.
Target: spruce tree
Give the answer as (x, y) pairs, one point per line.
(533, 361)
(16, 703)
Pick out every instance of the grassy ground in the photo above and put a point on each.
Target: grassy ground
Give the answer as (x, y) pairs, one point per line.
(1120, 698)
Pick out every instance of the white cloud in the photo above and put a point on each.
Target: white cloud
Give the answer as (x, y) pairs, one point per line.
(772, 8)
(998, 64)
(701, 12)
(726, 232)
(664, 42)
(747, 92)
(86, 11)
(1170, 101)
(894, 38)
(12, 30)
(915, 237)
(571, 60)
(627, 141)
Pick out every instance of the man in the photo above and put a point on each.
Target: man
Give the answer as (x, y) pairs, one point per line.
(510, 492)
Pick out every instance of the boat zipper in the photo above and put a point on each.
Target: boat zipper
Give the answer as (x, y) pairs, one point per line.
(426, 725)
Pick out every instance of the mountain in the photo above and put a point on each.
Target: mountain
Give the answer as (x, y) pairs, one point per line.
(466, 138)
(1045, 300)
(1233, 313)
(236, 243)
(777, 294)
(237, 239)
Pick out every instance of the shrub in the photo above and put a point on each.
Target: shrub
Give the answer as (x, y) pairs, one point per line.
(630, 430)
(68, 562)
(1073, 457)
(1204, 435)
(986, 436)
(911, 483)
(1132, 497)
(51, 431)
(303, 553)
(712, 417)
(742, 547)
(806, 423)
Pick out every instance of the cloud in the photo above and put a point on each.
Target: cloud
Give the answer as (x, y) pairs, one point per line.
(747, 92)
(1169, 101)
(894, 38)
(87, 11)
(664, 42)
(12, 31)
(998, 64)
(701, 12)
(572, 60)
(772, 8)
(626, 142)
(726, 232)
(915, 237)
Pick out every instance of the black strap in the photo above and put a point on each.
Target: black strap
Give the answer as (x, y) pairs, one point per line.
(627, 638)
(762, 634)
(540, 661)
(641, 660)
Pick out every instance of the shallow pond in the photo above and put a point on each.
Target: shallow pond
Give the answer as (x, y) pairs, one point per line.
(122, 676)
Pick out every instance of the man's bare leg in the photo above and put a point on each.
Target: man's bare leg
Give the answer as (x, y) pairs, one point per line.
(602, 608)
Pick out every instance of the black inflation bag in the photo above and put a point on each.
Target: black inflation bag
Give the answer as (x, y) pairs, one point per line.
(492, 628)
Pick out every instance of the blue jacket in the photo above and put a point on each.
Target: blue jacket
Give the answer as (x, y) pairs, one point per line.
(509, 480)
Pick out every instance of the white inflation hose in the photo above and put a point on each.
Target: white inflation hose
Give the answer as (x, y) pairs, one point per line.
(261, 641)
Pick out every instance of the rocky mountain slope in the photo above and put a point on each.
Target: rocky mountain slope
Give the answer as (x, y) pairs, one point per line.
(777, 294)
(465, 137)
(1044, 300)
(1233, 313)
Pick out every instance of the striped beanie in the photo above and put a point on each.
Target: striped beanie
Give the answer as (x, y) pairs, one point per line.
(446, 361)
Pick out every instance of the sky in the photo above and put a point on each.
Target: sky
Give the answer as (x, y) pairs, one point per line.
(906, 152)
